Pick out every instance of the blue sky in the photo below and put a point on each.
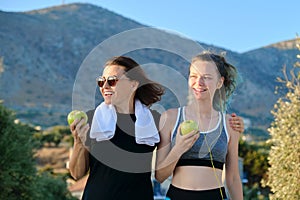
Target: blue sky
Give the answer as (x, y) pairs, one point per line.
(233, 24)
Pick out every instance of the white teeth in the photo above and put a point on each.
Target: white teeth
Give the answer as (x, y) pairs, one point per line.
(108, 93)
(201, 89)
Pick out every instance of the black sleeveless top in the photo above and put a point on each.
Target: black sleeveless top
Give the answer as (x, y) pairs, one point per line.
(120, 168)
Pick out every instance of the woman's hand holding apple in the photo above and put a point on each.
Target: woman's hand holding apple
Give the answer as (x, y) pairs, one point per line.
(78, 125)
(187, 135)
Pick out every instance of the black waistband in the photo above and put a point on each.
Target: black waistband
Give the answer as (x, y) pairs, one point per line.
(199, 162)
(179, 193)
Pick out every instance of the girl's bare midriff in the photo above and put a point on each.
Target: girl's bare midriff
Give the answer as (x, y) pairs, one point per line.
(197, 178)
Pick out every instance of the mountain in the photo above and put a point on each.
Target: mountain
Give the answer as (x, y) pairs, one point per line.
(43, 50)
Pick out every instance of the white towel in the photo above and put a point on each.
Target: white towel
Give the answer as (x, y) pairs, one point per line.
(105, 119)
(104, 122)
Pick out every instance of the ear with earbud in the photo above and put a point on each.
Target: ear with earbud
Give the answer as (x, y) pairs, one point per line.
(220, 83)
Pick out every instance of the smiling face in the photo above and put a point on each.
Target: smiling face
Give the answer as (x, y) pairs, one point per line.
(120, 95)
(204, 79)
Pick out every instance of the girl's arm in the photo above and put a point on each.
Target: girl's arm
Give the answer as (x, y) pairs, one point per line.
(233, 179)
(167, 157)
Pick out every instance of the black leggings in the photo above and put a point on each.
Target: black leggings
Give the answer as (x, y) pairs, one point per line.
(175, 193)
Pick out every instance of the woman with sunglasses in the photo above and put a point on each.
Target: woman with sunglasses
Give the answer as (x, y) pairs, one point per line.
(118, 149)
(196, 160)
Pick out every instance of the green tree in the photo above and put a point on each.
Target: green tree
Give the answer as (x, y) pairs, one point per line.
(56, 135)
(19, 178)
(284, 158)
(255, 163)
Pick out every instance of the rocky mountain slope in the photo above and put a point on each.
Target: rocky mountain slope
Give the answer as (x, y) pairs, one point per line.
(42, 51)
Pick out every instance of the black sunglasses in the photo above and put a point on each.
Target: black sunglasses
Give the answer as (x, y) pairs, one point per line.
(111, 80)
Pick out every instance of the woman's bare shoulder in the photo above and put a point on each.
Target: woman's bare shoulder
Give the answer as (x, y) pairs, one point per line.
(170, 114)
(168, 119)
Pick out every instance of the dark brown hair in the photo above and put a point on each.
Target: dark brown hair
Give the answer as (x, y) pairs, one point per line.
(148, 91)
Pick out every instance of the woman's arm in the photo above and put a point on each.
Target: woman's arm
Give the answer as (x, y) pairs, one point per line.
(237, 123)
(79, 159)
(167, 157)
(233, 179)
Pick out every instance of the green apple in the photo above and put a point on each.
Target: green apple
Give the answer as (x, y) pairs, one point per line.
(188, 126)
(77, 114)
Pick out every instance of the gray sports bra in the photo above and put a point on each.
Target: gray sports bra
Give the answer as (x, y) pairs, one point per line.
(214, 141)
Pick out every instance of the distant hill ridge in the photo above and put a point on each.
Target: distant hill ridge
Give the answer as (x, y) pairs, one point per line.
(285, 45)
(43, 49)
